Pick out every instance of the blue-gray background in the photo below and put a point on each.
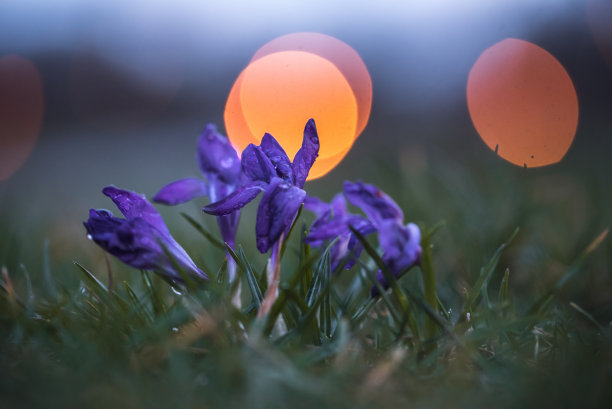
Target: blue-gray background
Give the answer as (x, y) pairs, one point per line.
(130, 84)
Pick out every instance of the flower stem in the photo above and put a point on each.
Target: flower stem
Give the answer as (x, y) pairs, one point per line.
(273, 272)
(231, 272)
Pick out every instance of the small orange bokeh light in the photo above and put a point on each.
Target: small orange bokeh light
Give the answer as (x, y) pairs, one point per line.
(523, 103)
(294, 78)
(21, 112)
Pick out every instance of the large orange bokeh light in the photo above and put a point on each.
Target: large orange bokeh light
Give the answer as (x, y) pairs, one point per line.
(523, 103)
(21, 112)
(294, 78)
(281, 91)
(340, 54)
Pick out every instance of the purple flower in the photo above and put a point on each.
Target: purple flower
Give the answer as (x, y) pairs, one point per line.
(401, 244)
(401, 249)
(333, 221)
(267, 168)
(220, 166)
(142, 239)
(377, 205)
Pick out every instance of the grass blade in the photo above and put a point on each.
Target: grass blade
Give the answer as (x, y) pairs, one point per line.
(202, 230)
(503, 288)
(571, 271)
(254, 287)
(485, 274)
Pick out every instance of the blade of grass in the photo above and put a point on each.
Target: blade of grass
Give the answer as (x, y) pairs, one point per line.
(157, 302)
(485, 274)
(570, 273)
(98, 287)
(429, 285)
(46, 259)
(587, 315)
(503, 288)
(202, 230)
(392, 281)
(256, 291)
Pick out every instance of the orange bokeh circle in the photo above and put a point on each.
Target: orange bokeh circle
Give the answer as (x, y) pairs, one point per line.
(340, 54)
(293, 78)
(21, 112)
(523, 103)
(279, 92)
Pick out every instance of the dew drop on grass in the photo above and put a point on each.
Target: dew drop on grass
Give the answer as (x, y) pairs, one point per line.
(177, 290)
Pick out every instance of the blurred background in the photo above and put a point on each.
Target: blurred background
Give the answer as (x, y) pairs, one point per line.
(118, 93)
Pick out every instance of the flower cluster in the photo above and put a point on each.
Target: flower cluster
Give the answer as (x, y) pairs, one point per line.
(143, 241)
(267, 168)
(400, 243)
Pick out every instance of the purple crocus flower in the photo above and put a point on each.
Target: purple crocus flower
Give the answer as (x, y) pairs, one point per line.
(400, 243)
(220, 166)
(267, 168)
(141, 240)
(333, 221)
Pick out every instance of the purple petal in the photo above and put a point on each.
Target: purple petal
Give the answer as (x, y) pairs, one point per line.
(140, 245)
(316, 205)
(323, 229)
(401, 245)
(217, 189)
(378, 206)
(306, 156)
(277, 209)
(132, 205)
(338, 206)
(236, 200)
(383, 281)
(181, 191)
(339, 251)
(217, 157)
(256, 166)
(272, 149)
(228, 225)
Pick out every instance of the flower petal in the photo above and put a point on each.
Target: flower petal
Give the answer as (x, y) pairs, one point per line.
(306, 156)
(236, 200)
(217, 157)
(228, 225)
(374, 202)
(181, 191)
(256, 166)
(326, 229)
(277, 209)
(132, 205)
(401, 245)
(316, 205)
(140, 245)
(278, 157)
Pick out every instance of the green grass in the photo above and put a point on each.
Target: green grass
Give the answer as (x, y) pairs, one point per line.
(496, 317)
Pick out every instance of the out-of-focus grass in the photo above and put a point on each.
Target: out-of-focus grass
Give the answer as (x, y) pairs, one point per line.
(528, 325)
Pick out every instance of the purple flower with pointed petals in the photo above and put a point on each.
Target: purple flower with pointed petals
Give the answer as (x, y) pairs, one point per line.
(401, 249)
(267, 168)
(376, 204)
(333, 221)
(141, 240)
(401, 244)
(220, 166)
